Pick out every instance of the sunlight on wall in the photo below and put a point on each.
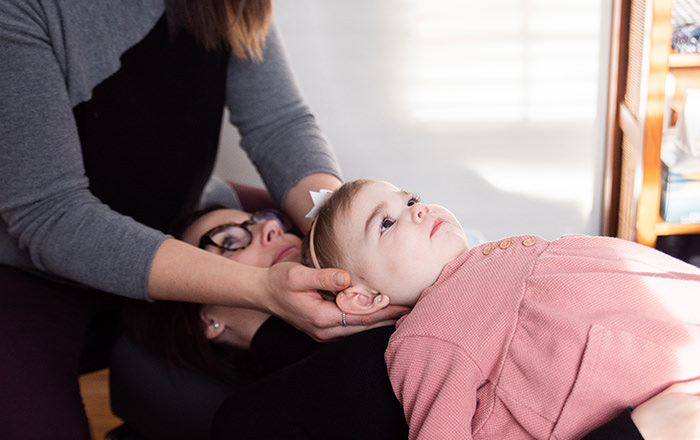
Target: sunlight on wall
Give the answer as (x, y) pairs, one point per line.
(536, 60)
(488, 108)
(546, 183)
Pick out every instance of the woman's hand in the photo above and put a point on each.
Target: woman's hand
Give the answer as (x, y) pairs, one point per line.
(181, 272)
(292, 295)
(672, 414)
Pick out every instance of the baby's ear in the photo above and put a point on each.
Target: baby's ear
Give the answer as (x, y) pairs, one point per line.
(359, 300)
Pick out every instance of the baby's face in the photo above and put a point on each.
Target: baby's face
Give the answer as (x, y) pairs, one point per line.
(396, 245)
(270, 244)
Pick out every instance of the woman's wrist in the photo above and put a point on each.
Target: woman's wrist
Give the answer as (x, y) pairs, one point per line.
(182, 272)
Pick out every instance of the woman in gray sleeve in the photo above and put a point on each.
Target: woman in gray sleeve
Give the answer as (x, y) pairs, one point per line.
(110, 122)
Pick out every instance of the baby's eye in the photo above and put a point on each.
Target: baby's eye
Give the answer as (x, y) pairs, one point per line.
(386, 224)
(413, 200)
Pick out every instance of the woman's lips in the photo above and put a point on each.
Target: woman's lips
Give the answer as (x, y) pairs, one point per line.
(283, 253)
(436, 225)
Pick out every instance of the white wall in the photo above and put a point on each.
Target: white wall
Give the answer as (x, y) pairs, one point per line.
(489, 108)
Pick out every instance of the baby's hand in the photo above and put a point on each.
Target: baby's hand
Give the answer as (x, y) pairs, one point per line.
(672, 414)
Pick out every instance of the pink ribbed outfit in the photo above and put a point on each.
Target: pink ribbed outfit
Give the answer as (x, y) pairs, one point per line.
(527, 338)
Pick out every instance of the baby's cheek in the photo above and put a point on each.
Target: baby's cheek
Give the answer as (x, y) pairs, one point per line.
(396, 265)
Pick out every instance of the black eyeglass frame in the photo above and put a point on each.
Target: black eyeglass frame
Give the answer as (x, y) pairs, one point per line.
(206, 239)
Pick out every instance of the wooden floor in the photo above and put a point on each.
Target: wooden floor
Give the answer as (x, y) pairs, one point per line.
(94, 388)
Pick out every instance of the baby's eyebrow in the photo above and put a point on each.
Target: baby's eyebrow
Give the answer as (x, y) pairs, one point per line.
(382, 206)
(377, 211)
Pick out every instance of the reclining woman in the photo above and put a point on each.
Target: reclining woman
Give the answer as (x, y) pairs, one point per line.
(337, 389)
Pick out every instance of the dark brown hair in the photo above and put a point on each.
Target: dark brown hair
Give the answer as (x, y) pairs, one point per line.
(174, 332)
(236, 25)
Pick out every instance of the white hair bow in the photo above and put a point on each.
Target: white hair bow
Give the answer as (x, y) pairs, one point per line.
(319, 198)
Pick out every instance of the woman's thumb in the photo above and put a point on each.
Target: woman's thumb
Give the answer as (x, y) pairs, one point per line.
(341, 279)
(332, 280)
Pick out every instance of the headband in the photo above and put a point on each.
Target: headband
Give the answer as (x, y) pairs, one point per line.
(318, 198)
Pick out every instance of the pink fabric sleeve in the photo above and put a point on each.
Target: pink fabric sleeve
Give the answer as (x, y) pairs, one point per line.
(435, 382)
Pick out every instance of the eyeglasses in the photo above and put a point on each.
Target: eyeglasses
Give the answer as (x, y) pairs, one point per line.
(237, 236)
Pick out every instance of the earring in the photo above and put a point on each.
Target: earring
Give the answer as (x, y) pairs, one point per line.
(217, 325)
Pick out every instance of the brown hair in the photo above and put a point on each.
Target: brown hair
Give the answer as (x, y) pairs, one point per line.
(326, 245)
(237, 25)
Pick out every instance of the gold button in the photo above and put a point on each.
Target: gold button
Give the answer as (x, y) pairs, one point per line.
(505, 244)
(488, 249)
(529, 242)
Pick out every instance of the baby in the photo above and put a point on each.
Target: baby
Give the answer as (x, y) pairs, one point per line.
(520, 338)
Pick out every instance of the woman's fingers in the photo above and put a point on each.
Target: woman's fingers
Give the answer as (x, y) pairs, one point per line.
(295, 298)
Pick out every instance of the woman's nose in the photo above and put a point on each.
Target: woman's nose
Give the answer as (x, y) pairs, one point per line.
(419, 211)
(270, 231)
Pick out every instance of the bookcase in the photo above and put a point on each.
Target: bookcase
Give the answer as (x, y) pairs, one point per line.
(640, 59)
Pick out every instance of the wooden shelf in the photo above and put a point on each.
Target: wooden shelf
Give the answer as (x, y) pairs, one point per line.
(663, 228)
(641, 59)
(684, 60)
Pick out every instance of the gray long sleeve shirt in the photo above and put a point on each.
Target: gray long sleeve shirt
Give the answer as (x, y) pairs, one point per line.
(66, 67)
